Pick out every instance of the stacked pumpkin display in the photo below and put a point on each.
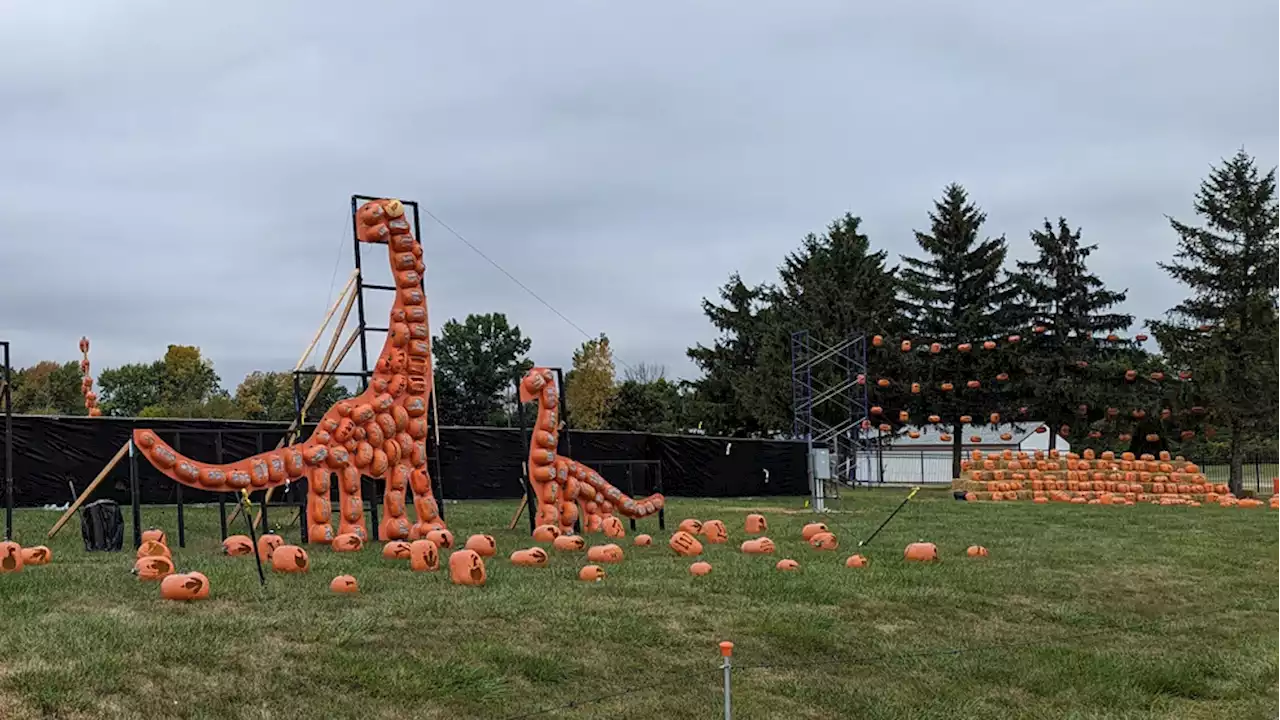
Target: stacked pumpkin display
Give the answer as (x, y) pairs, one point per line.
(1088, 479)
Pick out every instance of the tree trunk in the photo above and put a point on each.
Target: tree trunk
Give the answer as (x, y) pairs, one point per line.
(957, 436)
(1053, 439)
(1236, 463)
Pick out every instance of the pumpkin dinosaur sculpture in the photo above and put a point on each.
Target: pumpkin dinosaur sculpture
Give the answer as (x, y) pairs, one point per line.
(559, 482)
(380, 434)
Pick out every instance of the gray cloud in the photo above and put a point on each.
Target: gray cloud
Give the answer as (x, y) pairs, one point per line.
(180, 174)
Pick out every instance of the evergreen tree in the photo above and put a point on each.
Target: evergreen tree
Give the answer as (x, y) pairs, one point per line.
(730, 365)
(1225, 333)
(1070, 360)
(958, 293)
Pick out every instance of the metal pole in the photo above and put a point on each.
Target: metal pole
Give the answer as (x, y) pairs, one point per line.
(8, 446)
(531, 501)
(921, 467)
(662, 511)
(133, 491)
(222, 497)
(631, 491)
(726, 652)
(364, 347)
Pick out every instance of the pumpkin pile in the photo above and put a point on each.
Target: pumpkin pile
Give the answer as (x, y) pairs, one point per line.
(1089, 479)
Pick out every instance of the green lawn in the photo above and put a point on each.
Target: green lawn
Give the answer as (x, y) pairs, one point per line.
(1080, 611)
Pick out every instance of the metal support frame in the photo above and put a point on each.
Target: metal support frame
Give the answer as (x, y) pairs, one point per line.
(829, 405)
(6, 398)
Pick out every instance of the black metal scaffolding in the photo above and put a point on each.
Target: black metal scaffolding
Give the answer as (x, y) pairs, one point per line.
(829, 402)
(6, 399)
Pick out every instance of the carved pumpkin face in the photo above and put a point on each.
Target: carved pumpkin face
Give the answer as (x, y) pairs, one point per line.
(824, 541)
(700, 568)
(532, 557)
(347, 542)
(424, 556)
(921, 552)
(756, 524)
(715, 532)
(684, 544)
(483, 545)
(156, 535)
(691, 526)
(604, 553)
(10, 557)
(396, 550)
(237, 545)
(442, 538)
(813, 529)
(976, 551)
(857, 561)
(466, 567)
(759, 546)
(38, 555)
(613, 527)
(569, 543)
(344, 584)
(152, 568)
(185, 586)
(545, 533)
(268, 543)
(290, 559)
(643, 540)
(787, 565)
(591, 573)
(151, 548)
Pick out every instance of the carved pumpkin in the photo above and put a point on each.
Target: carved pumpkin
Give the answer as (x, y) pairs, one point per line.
(1003, 377)
(466, 567)
(591, 573)
(812, 529)
(973, 384)
(935, 348)
(442, 538)
(482, 545)
(947, 387)
(156, 535)
(989, 345)
(824, 541)
(877, 341)
(568, 543)
(685, 544)
(151, 548)
(966, 419)
(906, 346)
(1015, 338)
(604, 553)
(532, 557)
(344, 584)
(613, 527)
(913, 434)
(290, 559)
(237, 545)
(691, 526)
(787, 565)
(38, 555)
(921, 552)
(396, 550)
(903, 416)
(1006, 436)
(347, 542)
(944, 437)
(885, 427)
(976, 551)
(759, 546)
(10, 557)
(184, 586)
(715, 532)
(151, 568)
(424, 556)
(995, 418)
(545, 533)
(700, 568)
(267, 544)
(857, 561)
(883, 382)
(935, 418)
(964, 347)
(915, 388)
(641, 540)
(756, 524)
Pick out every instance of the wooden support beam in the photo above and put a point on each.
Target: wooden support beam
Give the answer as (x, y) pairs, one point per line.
(115, 460)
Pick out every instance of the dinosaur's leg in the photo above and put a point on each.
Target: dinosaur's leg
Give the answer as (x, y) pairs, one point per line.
(351, 513)
(319, 511)
(395, 521)
(425, 509)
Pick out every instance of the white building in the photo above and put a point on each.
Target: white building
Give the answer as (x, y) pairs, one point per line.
(927, 459)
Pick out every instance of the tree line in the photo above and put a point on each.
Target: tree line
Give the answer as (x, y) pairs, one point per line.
(1037, 341)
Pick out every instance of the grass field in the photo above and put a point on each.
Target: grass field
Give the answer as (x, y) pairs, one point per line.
(1080, 611)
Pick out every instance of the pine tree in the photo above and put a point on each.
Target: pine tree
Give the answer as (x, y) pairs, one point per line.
(1069, 362)
(958, 293)
(729, 365)
(1225, 333)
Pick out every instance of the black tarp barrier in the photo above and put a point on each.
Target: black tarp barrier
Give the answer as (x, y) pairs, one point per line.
(476, 463)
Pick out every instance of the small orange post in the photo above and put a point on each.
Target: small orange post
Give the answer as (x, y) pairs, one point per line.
(726, 652)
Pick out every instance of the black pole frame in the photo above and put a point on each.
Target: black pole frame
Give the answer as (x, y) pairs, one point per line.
(6, 397)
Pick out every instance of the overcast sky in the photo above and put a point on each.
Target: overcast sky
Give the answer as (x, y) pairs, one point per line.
(177, 172)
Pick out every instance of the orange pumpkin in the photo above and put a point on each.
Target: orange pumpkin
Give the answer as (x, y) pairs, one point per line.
(482, 545)
(1003, 377)
(756, 524)
(935, 348)
(38, 555)
(152, 568)
(973, 384)
(569, 543)
(344, 584)
(532, 557)
(685, 544)
(906, 346)
(813, 529)
(758, 546)
(824, 541)
(915, 388)
(935, 418)
(877, 410)
(691, 526)
(545, 533)
(883, 382)
(424, 556)
(715, 532)
(155, 535)
(877, 341)
(185, 586)
(903, 416)
(347, 542)
(964, 347)
(442, 538)
(466, 567)
(976, 551)
(1015, 338)
(947, 387)
(237, 545)
(944, 437)
(995, 418)
(642, 540)
(396, 550)
(966, 419)
(921, 552)
(151, 548)
(10, 557)
(700, 568)
(290, 559)
(989, 345)
(787, 565)
(591, 573)
(613, 527)
(857, 561)
(267, 544)
(604, 553)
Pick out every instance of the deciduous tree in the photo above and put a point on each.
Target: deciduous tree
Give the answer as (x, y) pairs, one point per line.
(477, 362)
(589, 384)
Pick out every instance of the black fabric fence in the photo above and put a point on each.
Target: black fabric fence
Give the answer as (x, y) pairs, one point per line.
(476, 463)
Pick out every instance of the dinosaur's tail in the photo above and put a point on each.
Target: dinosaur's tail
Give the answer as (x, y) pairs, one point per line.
(259, 471)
